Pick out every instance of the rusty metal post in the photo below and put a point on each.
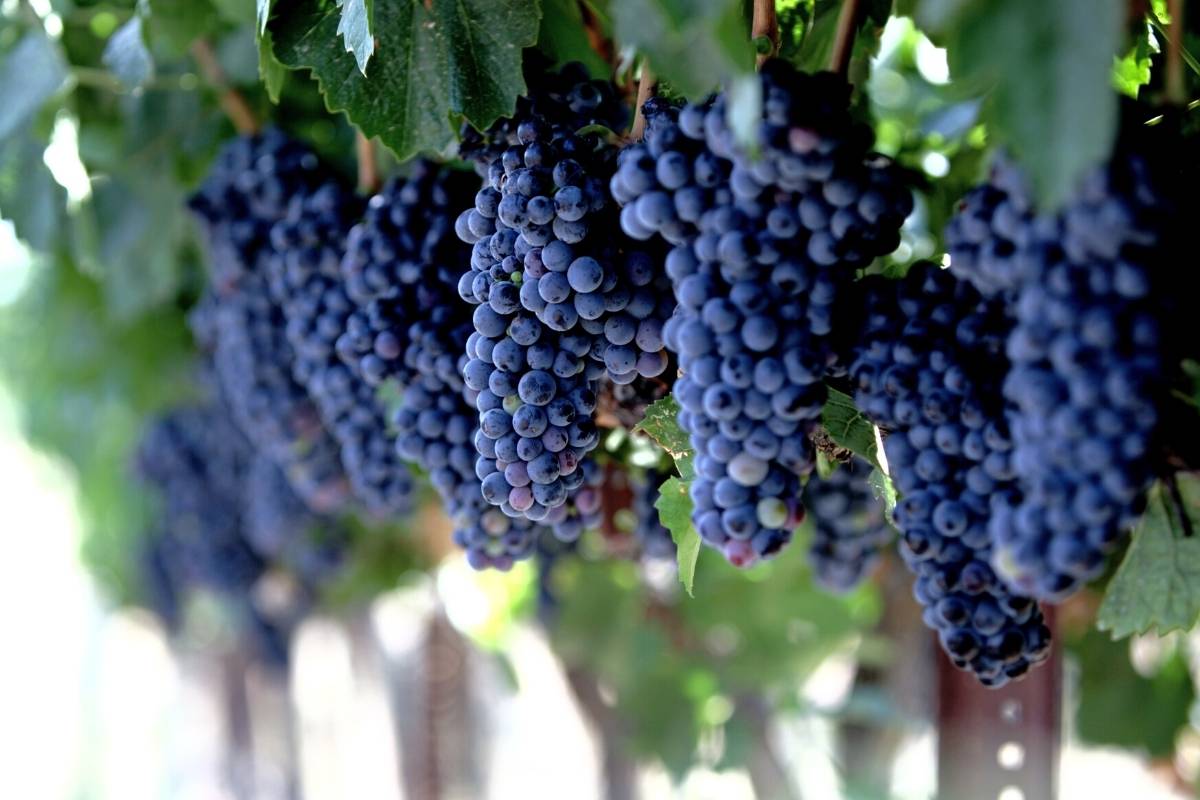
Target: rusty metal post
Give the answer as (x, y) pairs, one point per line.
(993, 740)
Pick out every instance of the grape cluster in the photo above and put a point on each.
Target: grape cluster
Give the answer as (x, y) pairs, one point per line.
(282, 528)
(990, 235)
(305, 279)
(241, 325)
(194, 458)
(247, 190)
(568, 99)
(1091, 351)
(850, 527)
(560, 303)
(929, 371)
(401, 268)
(760, 248)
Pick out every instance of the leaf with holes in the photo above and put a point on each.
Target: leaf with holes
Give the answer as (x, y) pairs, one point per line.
(662, 425)
(848, 427)
(1157, 586)
(675, 512)
(430, 66)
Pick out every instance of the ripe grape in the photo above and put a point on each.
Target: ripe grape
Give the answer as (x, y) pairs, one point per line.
(850, 527)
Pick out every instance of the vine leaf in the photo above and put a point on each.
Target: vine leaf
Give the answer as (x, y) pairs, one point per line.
(355, 28)
(127, 56)
(1157, 586)
(1049, 67)
(30, 74)
(695, 45)
(849, 427)
(270, 69)
(661, 424)
(674, 506)
(430, 66)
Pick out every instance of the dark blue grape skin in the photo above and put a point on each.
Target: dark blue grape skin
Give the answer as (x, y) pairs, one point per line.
(549, 268)
(756, 279)
(929, 370)
(850, 526)
(245, 193)
(303, 267)
(1092, 351)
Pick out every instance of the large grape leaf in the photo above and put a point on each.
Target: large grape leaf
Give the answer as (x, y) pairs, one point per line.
(1049, 68)
(30, 74)
(695, 45)
(431, 65)
(1157, 586)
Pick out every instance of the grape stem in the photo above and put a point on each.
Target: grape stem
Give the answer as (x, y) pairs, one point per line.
(843, 41)
(368, 168)
(765, 25)
(1176, 88)
(645, 89)
(595, 32)
(232, 102)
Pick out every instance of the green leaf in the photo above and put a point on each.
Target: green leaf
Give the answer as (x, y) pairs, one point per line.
(355, 28)
(1152, 709)
(1049, 68)
(695, 45)
(270, 69)
(175, 24)
(563, 38)
(884, 489)
(29, 76)
(675, 512)
(127, 56)
(30, 198)
(1132, 71)
(431, 66)
(1157, 586)
(848, 427)
(661, 424)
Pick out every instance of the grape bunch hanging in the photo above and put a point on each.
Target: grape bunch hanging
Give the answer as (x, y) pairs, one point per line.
(485, 328)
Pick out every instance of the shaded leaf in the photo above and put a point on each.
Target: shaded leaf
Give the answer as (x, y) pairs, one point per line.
(430, 66)
(1152, 709)
(696, 45)
(1157, 586)
(30, 198)
(270, 69)
(562, 37)
(126, 55)
(1049, 68)
(675, 511)
(175, 24)
(29, 76)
